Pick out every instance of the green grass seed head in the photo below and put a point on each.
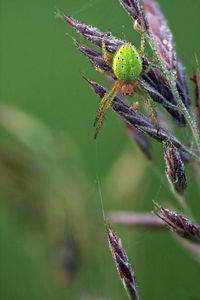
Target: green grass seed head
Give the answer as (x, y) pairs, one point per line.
(127, 63)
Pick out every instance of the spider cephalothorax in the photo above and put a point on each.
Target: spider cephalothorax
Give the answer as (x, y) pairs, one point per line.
(127, 67)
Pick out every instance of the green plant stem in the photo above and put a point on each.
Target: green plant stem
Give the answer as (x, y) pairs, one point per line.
(192, 154)
(190, 120)
(170, 105)
(186, 114)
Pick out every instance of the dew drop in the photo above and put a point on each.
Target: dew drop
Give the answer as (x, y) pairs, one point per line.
(170, 46)
(165, 42)
(162, 28)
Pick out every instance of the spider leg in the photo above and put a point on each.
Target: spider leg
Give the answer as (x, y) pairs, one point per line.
(142, 31)
(149, 66)
(149, 103)
(97, 68)
(104, 105)
(151, 107)
(142, 43)
(106, 56)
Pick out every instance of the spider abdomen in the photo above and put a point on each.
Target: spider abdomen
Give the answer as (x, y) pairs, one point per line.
(127, 63)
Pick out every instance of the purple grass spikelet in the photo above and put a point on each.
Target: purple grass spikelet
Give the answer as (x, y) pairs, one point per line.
(175, 169)
(164, 43)
(122, 263)
(93, 34)
(161, 34)
(135, 10)
(179, 224)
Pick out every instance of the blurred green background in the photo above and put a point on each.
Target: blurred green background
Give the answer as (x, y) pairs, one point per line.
(53, 242)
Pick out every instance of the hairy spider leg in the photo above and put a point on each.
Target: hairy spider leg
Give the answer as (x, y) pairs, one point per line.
(149, 103)
(103, 102)
(116, 87)
(104, 105)
(142, 31)
(108, 59)
(149, 66)
(142, 43)
(97, 68)
(106, 56)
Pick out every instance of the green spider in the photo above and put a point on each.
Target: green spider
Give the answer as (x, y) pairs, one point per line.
(127, 67)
